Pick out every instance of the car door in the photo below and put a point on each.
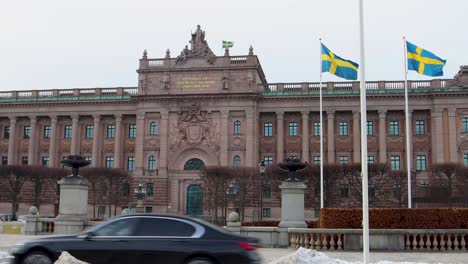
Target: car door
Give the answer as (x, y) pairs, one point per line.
(166, 239)
(109, 243)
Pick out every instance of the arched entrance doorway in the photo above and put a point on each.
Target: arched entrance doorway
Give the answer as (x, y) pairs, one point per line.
(194, 164)
(195, 200)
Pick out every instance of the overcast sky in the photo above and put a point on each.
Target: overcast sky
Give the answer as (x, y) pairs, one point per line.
(56, 44)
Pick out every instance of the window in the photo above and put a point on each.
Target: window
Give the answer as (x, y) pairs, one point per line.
(27, 131)
(237, 127)
(344, 191)
(46, 131)
(109, 162)
(421, 163)
(151, 163)
(343, 128)
(131, 163)
(126, 189)
(397, 191)
(24, 160)
(88, 158)
(266, 212)
(153, 128)
(343, 159)
(6, 132)
(292, 129)
(132, 131)
(316, 159)
(4, 160)
(153, 226)
(420, 127)
(268, 129)
(149, 189)
(395, 162)
(465, 159)
(371, 191)
(45, 161)
(370, 128)
(236, 161)
(121, 227)
(370, 159)
(148, 209)
(266, 193)
(68, 131)
(316, 128)
(465, 124)
(110, 131)
(89, 131)
(268, 160)
(394, 128)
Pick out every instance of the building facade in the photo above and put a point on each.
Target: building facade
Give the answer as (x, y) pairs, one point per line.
(202, 109)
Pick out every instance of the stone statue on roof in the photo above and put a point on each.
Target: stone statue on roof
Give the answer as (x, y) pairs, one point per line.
(199, 48)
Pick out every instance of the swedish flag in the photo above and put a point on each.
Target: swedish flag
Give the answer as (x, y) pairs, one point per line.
(227, 44)
(334, 64)
(424, 61)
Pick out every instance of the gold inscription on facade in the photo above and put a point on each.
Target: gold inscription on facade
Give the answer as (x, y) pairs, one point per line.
(195, 82)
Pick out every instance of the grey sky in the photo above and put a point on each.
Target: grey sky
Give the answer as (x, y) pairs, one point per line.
(56, 44)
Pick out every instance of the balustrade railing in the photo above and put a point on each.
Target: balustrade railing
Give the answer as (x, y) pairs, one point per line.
(47, 225)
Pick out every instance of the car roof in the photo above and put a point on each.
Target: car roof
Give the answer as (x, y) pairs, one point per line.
(156, 215)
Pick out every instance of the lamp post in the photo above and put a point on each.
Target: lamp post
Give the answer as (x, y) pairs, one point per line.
(232, 191)
(140, 194)
(262, 167)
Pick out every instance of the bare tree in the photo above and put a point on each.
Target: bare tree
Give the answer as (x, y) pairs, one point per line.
(377, 174)
(215, 182)
(12, 179)
(115, 180)
(446, 176)
(95, 177)
(248, 183)
(399, 182)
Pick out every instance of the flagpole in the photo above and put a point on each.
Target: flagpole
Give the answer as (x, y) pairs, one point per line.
(365, 202)
(321, 129)
(408, 127)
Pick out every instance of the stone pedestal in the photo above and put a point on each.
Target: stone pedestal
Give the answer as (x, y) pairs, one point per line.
(73, 208)
(292, 209)
(139, 209)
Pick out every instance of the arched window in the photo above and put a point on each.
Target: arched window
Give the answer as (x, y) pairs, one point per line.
(151, 163)
(153, 128)
(236, 161)
(237, 127)
(194, 164)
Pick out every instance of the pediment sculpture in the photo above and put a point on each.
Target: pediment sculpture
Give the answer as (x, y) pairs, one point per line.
(198, 48)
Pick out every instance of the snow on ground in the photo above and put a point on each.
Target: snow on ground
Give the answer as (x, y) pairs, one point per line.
(4, 257)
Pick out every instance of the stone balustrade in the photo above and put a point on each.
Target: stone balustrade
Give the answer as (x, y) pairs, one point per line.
(47, 226)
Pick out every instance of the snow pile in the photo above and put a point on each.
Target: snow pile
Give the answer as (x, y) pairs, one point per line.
(66, 258)
(4, 257)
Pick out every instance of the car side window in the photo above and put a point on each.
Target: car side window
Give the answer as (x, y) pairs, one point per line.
(122, 227)
(153, 226)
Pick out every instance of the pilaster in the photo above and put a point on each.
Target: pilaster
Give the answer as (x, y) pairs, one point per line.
(437, 136)
(32, 150)
(356, 137)
(75, 144)
(279, 137)
(305, 136)
(382, 136)
(331, 137)
(453, 135)
(53, 142)
(12, 146)
(118, 142)
(224, 137)
(96, 140)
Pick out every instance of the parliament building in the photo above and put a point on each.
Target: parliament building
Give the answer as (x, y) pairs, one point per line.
(198, 109)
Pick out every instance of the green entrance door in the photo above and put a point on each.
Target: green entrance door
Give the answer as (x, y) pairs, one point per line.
(194, 200)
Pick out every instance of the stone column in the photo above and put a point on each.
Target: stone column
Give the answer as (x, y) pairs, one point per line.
(73, 206)
(356, 137)
(139, 143)
(437, 136)
(96, 141)
(279, 137)
(118, 142)
(292, 209)
(12, 153)
(224, 137)
(163, 148)
(32, 152)
(382, 137)
(75, 144)
(331, 137)
(305, 136)
(453, 135)
(53, 142)
(249, 141)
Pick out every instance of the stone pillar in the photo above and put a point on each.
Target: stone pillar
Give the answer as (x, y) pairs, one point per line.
(382, 137)
(75, 144)
(292, 209)
(279, 137)
(249, 142)
(139, 143)
(356, 137)
(437, 136)
(305, 136)
(32, 152)
(453, 135)
(53, 142)
(73, 207)
(12, 151)
(96, 141)
(331, 137)
(224, 137)
(163, 148)
(118, 142)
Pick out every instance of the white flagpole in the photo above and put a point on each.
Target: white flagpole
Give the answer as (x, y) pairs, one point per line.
(321, 129)
(408, 127)
(365, 202)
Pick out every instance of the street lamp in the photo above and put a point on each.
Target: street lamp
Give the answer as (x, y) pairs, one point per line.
(262, 167)
(140, 194)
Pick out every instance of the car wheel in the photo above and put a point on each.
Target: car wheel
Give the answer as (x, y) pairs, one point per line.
(37, 257)
(200, 260)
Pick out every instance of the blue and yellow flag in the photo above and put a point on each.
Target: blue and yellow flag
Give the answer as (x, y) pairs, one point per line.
(227, 44)
(334, 64)
(424, 61)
